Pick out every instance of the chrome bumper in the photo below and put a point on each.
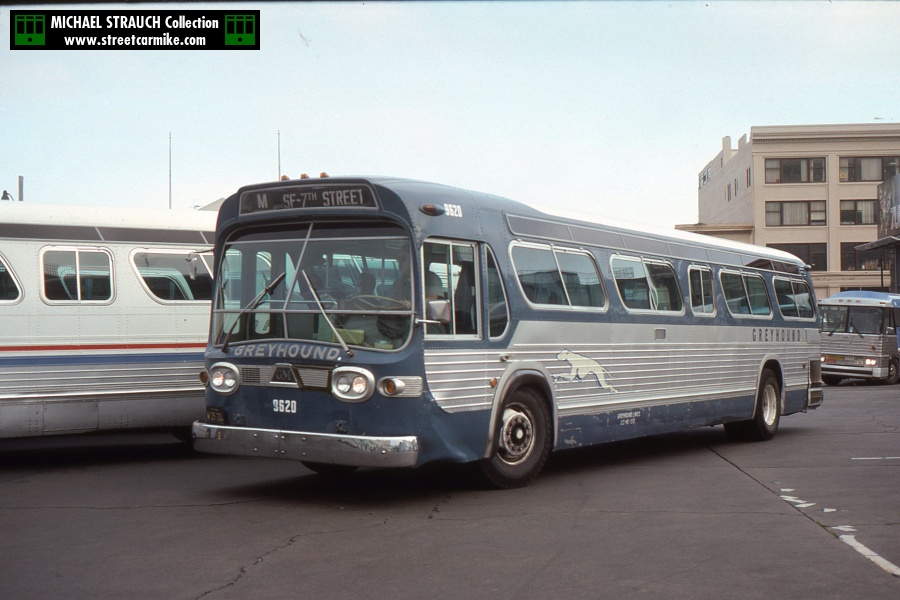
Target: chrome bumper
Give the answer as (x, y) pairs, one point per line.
(355, 450)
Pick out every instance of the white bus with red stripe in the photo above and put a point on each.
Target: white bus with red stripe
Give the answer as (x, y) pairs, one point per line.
(105, 313)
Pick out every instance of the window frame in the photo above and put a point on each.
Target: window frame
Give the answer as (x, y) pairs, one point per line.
(794, 283)
(744, 275)
(554, 249)
(78, 250)
(15, 281)
(478, 299)
(850, 168)
(653, 299)
(857, 212)
(809, 213)
(490, 257)
(171, 251)
(808, 164)
(702, 269)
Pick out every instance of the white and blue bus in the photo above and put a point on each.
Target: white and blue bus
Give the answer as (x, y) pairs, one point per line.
(859, 337)
(377, 322)
(105, 316)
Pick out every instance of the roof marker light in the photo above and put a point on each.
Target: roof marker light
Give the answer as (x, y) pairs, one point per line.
(433, 210)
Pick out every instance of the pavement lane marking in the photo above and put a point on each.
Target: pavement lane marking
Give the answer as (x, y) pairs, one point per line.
(888, 566)
(850, 540)
(877, 458)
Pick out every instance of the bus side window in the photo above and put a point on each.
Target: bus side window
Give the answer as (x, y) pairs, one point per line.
(9, 289)
(77, 275)
(173, 275)
(745, 294)
(700, 280)
(498, 309)
(539, 276)
(646, 284)
(451, 273)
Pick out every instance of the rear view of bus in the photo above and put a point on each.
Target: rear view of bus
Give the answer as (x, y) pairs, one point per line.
(859, 337)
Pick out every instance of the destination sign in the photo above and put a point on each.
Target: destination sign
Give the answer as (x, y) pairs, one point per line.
(307, 197)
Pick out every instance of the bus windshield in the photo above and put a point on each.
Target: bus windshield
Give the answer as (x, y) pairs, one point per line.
(285, 284)
(852, 319)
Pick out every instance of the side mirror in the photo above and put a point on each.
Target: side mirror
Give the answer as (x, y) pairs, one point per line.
(438, 310)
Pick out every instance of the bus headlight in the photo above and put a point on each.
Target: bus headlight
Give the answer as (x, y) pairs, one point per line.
(352, 384)
(871, 362)
(224, 378)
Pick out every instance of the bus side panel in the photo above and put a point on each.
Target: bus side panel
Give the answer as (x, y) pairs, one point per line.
(635, 422)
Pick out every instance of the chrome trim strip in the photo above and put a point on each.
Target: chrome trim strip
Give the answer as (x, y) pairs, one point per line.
(355, 450)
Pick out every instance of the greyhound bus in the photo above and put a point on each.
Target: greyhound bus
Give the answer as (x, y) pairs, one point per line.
(379, 322)
(859, 337)
(105, 318)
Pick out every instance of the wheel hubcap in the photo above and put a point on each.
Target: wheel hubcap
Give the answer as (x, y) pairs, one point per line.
(769, 405)
(516, 435)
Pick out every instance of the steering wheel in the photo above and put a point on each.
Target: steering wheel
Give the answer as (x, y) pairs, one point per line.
(373, 302)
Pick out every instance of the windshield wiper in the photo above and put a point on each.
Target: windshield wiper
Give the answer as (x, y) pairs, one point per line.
(337, 335)
(253, 304)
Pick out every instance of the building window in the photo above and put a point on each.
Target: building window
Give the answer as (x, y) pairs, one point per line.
(815, 255)
(795, 170)
(748, 177)
(785, 214)
(859, 212)
(728, 193)
(869, 168)
(853, 260)
(704, 178)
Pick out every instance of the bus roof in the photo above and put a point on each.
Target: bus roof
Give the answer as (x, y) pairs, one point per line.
(104, 223)
(862, 298)
(524, 220)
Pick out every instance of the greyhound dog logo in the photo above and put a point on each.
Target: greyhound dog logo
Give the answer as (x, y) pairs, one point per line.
(581, 367)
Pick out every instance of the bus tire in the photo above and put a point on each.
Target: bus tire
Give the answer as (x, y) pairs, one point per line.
(328, 469)
(765, 420)
(521, 441)
(831, 380)
(893, 372)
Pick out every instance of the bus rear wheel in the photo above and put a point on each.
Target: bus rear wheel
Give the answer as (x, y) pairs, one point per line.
(521, 442)
(765, 420)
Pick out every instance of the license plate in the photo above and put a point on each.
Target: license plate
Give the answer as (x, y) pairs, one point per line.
(215, 416)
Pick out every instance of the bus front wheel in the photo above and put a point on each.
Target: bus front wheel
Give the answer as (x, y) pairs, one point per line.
(893, 372)
(765, 420)
(522, 441)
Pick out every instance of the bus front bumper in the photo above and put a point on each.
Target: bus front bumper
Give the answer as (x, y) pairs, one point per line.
(353, 450)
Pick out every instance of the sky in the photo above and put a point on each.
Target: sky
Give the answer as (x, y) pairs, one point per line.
(604, 109)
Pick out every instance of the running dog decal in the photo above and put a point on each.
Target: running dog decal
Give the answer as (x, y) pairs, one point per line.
(580, 367)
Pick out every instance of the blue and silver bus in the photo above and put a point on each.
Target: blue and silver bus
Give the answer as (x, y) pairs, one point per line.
(379, 322)
(859, 337)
